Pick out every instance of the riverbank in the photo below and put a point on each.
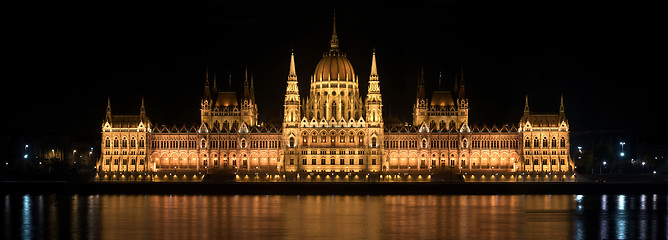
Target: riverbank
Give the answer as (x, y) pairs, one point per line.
(332, 188)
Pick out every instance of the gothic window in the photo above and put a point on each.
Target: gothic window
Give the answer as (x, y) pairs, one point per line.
(216, 125)
(536, 143)
(361, 161)
(452, 124)
(373, 142)
(441, 125)
(116, 142)
(107, 142)
(544, 141)
(563, 142)
(424, 143)
(125, 142)
(141, 142)
(133, 142)
(203, 143)
(432, 124)
(292, 142)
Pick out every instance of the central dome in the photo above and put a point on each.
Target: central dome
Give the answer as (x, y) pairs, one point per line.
(334, 66)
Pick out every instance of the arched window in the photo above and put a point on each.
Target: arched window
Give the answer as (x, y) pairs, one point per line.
(107, 142)
(226, 125)
(203, 143)
(424, 143)
(464, 143)
(116, 142)
(373, 142)
(125, 142)
(432, 124)
(141, 142)
(441, 125)
(292, 142)
(133, 142)
(243, 143)
(544, 141)
(216, 125)
(563, 142)
(554, 142)
(452, 124)
(536, 143)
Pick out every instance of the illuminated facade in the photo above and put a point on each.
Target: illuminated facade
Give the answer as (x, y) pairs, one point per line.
(335, 129)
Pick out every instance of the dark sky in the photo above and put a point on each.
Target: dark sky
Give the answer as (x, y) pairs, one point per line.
(65, 60)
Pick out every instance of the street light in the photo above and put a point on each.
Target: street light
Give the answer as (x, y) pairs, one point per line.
(622, 144)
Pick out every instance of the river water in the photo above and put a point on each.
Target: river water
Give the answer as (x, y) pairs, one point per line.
(30, 216)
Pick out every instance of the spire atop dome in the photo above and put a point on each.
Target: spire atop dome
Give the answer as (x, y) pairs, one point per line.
(334, 43)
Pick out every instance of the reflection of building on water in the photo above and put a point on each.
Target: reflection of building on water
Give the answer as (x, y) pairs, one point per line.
(28, 216)
(334, 131)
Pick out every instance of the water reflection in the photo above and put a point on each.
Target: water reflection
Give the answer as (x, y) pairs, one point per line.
(328, 217)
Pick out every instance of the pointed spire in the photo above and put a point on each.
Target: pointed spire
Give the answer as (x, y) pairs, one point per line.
(334, 43)
(246, 87)
(561, 106)
(142, 110)
(108, 116)
(207, 91)
(215, 88)
(526, 103)
(252, 89)
(461, 91)
(293, 71)
(229, 80)
(420, 90)
(374, 71)
(440, 78)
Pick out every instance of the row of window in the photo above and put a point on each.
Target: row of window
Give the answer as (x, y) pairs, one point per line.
(544, 161)
(332, 152)
(333, 162)
(125, 161)
(123, 143)
(323, 139)
(554, 152)
(123, 152)
(536, 142)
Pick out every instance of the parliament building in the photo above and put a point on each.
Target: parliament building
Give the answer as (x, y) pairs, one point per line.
(333, 129)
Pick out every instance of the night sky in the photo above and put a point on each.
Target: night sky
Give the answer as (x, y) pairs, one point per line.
(65, 60)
